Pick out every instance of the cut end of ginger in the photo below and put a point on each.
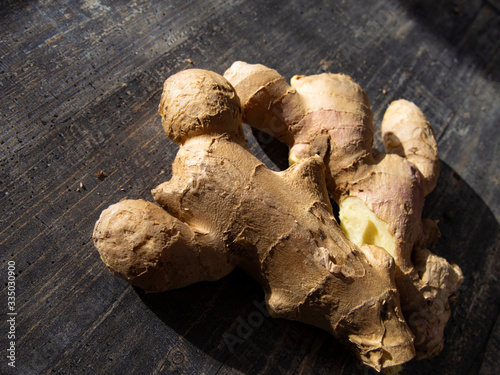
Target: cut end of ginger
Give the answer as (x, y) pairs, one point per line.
(363, 227)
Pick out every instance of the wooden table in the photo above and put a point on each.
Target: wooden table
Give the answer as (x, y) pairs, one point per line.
(80, 84)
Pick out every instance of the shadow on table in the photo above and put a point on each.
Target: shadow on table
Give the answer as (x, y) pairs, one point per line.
(470, 26)
(224, 319)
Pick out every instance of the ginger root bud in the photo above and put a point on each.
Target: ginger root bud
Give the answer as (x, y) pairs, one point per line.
(133, 235)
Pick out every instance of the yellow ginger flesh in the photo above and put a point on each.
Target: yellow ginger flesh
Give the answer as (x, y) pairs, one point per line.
(363, 227)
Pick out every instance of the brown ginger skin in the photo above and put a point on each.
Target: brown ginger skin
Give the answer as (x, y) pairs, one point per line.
(329, 115)
(223, 208)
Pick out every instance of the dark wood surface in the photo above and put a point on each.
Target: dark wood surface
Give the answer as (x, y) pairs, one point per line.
(80, 84)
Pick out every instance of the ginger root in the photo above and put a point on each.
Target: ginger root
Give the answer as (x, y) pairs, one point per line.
(223, 208)
(380, 196)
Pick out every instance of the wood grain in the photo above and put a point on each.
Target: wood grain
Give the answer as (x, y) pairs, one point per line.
(80, 84)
